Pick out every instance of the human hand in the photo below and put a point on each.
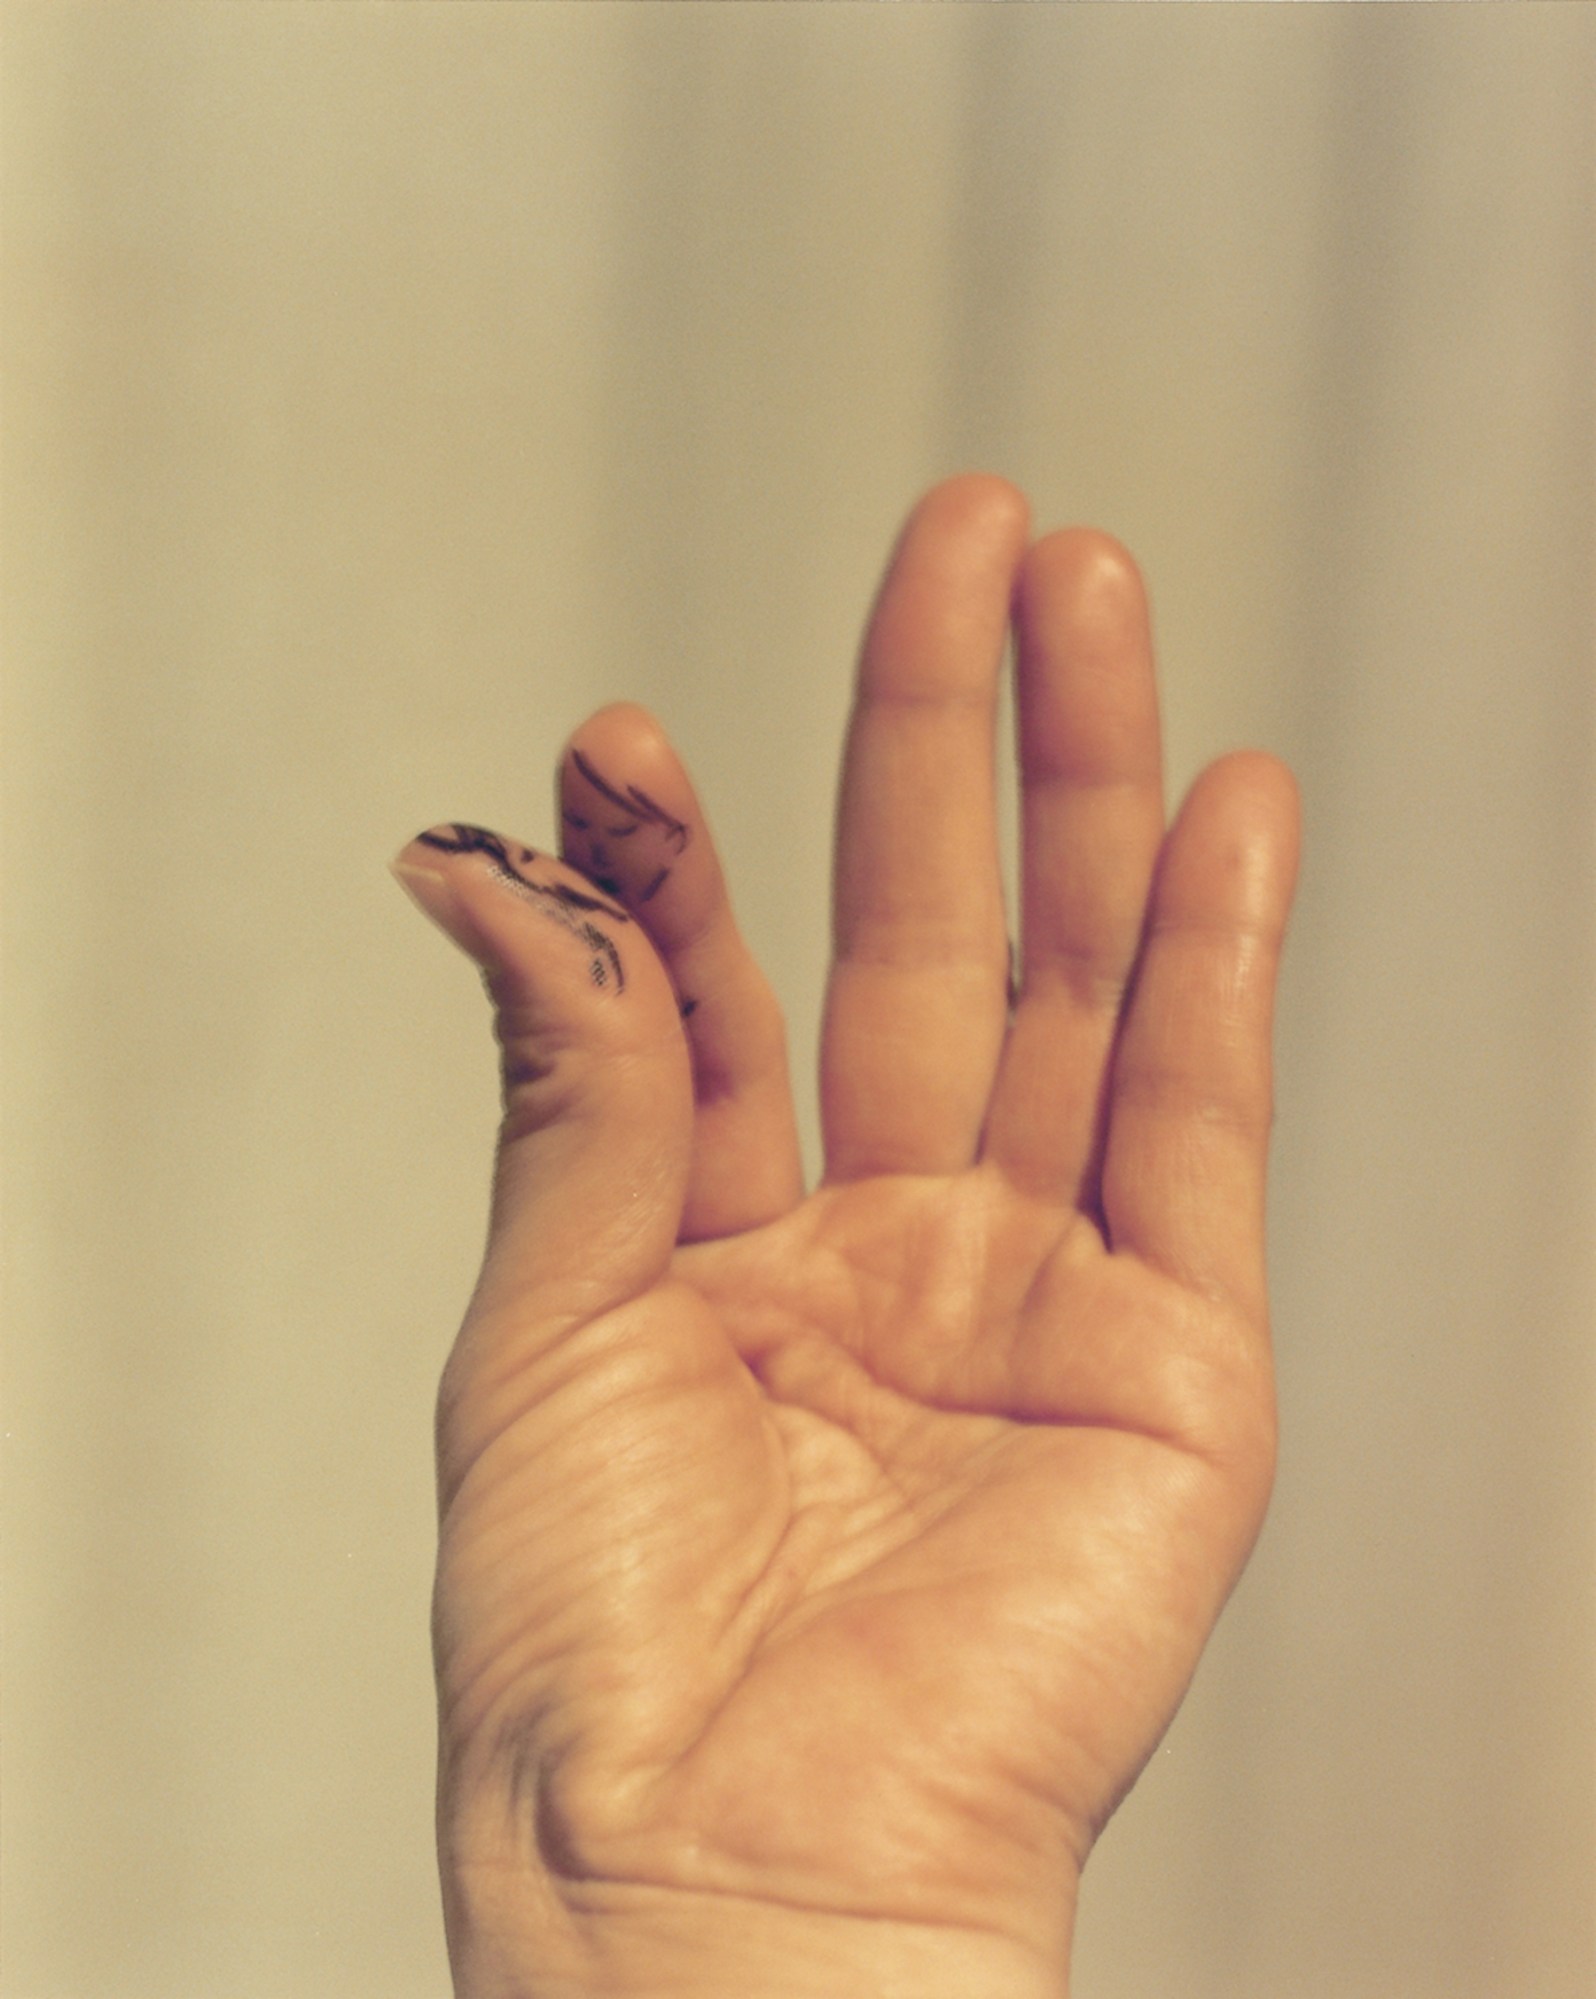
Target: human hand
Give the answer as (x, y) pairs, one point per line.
(817, 1572)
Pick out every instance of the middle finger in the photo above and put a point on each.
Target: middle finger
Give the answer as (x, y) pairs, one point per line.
(917, 1001)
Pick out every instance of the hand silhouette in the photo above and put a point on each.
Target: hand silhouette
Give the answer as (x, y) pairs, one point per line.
(818, 1571)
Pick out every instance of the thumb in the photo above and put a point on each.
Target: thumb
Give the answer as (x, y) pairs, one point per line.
(596, 1138)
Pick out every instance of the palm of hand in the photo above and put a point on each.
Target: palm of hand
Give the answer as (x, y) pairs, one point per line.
(889, 1572)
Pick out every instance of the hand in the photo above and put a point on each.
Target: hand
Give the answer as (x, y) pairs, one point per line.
(817, 1572)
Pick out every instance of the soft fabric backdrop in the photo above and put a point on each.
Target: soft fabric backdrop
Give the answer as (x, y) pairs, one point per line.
(388, 385)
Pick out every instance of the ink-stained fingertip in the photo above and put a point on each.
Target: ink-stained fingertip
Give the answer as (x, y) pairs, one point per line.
(429, 888)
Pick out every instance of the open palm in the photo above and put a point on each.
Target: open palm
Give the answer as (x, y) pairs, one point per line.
(844, 1556)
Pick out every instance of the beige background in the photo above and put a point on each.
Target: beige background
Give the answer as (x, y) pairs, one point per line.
(387, 385)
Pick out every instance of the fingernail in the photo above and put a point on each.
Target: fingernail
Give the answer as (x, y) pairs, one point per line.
(408, 871)
(427, 886)
(430, 890)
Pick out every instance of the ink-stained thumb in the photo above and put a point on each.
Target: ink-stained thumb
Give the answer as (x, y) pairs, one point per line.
(595, 1141)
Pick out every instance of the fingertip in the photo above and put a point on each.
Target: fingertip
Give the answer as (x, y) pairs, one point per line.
(424, 875)
(980, 513)
(631, 822)
(1244, 814)
(984, 504)
(940, 618)
(1087, 689)
(1267, 780)
(617, 726)
(990, 495)
(537, 929)
(1089, 576)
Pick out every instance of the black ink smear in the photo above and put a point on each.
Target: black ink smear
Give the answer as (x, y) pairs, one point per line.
(640, 810)
(635, 802)
(687, 1008)
(556, 899)
(478, 840)
(606, 960)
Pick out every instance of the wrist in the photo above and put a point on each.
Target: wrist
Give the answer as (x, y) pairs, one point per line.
(607, 1940)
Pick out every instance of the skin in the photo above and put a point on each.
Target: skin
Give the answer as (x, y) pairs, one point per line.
(817, 1570)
